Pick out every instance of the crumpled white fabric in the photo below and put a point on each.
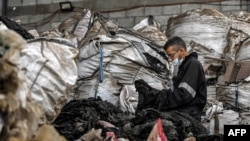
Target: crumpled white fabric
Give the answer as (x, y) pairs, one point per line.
(143, 23)
(3, 26)
(227, 117)
(51, 71)
(214, 109)
(1, 123)
(21, 117)
(123, 62)
(128, 99)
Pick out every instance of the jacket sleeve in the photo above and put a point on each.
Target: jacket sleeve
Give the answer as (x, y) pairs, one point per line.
(187, 88)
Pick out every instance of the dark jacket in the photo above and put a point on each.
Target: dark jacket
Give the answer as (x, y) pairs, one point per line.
(190, 89)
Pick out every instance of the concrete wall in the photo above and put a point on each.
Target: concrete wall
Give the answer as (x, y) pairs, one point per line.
(45, 14)
(1, 7)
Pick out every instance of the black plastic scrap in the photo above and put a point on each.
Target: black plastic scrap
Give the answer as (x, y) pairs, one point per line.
(80, 116)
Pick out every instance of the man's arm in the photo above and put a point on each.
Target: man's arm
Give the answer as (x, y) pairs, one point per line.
(187, 89)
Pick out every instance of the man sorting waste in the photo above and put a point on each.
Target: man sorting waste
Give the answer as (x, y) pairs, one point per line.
(189, 93)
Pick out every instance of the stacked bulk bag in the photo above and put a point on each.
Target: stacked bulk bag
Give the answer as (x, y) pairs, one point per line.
(204, 31)
(111, 58)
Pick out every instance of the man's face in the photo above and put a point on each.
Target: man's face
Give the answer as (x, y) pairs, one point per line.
(172, 53)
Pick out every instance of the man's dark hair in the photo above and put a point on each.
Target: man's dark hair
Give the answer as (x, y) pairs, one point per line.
(175, 41)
